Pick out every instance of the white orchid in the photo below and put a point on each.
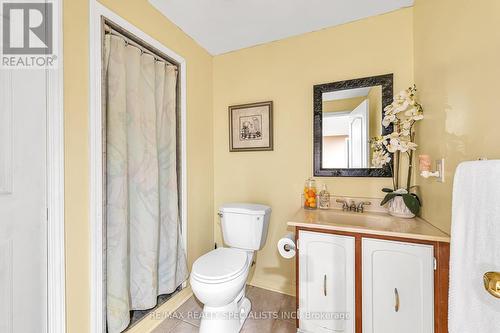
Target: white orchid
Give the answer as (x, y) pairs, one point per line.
(401, 106)
(405, 127)
(415, 113)
(380, 155)
(403, 102)
(407, 124)
(405, 146)
(380, 158)
(392, 142)
(388, 119)
(402, 113)
(411, 112)
(405, 132)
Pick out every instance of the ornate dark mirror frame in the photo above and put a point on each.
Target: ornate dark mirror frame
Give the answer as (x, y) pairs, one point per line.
(386, 81)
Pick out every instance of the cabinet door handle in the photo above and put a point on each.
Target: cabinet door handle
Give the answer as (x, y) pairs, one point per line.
(396, 300)
(324, 284)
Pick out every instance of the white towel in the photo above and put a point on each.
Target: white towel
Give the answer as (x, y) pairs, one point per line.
(475, 247)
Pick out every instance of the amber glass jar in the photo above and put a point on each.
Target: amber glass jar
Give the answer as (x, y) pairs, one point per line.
(310, 200)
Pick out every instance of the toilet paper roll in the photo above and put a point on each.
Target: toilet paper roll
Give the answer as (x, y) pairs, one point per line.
(286, 246)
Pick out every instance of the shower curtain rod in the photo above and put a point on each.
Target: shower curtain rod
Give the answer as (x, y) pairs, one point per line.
(134, 41)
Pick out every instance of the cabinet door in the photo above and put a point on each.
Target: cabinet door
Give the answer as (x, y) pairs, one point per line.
(326, 283)
(398, 287)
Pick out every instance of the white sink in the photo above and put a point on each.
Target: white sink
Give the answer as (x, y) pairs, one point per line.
(354, 219)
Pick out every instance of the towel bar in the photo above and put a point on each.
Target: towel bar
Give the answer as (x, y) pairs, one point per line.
(492, 283)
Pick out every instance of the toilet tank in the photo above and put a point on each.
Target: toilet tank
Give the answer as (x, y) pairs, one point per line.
(245, 225)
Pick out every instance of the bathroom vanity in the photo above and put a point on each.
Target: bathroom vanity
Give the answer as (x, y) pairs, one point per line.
(370, 272)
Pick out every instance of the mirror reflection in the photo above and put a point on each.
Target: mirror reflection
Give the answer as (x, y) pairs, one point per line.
(350, 118)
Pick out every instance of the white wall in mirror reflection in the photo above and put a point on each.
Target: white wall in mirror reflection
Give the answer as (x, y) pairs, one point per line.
(351, 118)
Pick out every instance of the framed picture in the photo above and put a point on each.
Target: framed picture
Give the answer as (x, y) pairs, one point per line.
(251, 127)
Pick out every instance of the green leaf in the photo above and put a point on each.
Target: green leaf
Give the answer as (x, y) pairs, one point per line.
(388, 197)
(418, 199)
(387, 190)
(412, 203)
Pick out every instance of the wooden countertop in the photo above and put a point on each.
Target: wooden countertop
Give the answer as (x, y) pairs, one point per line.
(368, 223)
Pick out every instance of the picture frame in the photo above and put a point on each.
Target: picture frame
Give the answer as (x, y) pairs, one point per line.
(251, 127)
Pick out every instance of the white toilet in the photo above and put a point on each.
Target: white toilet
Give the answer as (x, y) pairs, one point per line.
(218, 278)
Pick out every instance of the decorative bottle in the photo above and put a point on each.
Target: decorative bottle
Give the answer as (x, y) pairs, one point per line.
(310, 194)
(324, 198)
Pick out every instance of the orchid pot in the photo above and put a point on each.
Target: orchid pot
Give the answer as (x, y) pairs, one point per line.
(400, 203)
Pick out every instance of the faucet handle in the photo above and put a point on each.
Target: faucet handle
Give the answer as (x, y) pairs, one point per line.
(345, 205)
(362, 205)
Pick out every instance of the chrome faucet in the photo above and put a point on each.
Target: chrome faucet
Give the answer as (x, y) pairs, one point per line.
(345, 205)
(359, 208)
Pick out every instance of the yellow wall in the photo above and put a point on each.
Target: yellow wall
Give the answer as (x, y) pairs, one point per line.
(285, 72)
(199, 132)
(76, 62)
(457, 52)
(374, 100)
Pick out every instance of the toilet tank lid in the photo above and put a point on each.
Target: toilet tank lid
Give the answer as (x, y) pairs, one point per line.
(245, 208)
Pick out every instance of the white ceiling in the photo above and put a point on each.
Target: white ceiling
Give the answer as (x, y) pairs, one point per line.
(222, 26)
(347, 93)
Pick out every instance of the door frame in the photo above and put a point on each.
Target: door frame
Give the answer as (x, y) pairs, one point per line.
(97, 11)
(56, 277)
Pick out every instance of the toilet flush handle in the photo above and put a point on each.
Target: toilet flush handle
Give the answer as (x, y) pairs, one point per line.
(492, 283)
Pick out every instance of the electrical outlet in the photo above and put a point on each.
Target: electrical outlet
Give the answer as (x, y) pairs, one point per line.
(440, 169)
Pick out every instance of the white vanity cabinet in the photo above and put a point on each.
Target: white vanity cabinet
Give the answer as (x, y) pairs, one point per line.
(387, 274)
(326, 283)
(397, 287)
(354, 283)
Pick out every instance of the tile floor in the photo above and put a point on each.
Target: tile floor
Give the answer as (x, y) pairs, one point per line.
(271, 313)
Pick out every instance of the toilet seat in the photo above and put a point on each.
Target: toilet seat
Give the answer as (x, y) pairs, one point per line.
(220, 265)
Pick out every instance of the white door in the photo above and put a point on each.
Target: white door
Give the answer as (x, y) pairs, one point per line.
(326, 283)
(398, 287)
(358, 136)
(23, 227)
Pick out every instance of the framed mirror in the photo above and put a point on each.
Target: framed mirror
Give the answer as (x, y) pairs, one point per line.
(347, 114)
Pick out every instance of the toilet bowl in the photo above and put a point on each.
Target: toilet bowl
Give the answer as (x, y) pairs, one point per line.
(218, 277)
(218, 280)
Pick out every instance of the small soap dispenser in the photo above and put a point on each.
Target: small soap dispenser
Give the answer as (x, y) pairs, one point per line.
(324, 198)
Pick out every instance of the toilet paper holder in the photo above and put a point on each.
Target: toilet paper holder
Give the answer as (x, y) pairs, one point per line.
(287, 247)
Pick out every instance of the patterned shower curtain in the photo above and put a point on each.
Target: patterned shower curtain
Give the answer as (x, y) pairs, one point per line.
(144, 251)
